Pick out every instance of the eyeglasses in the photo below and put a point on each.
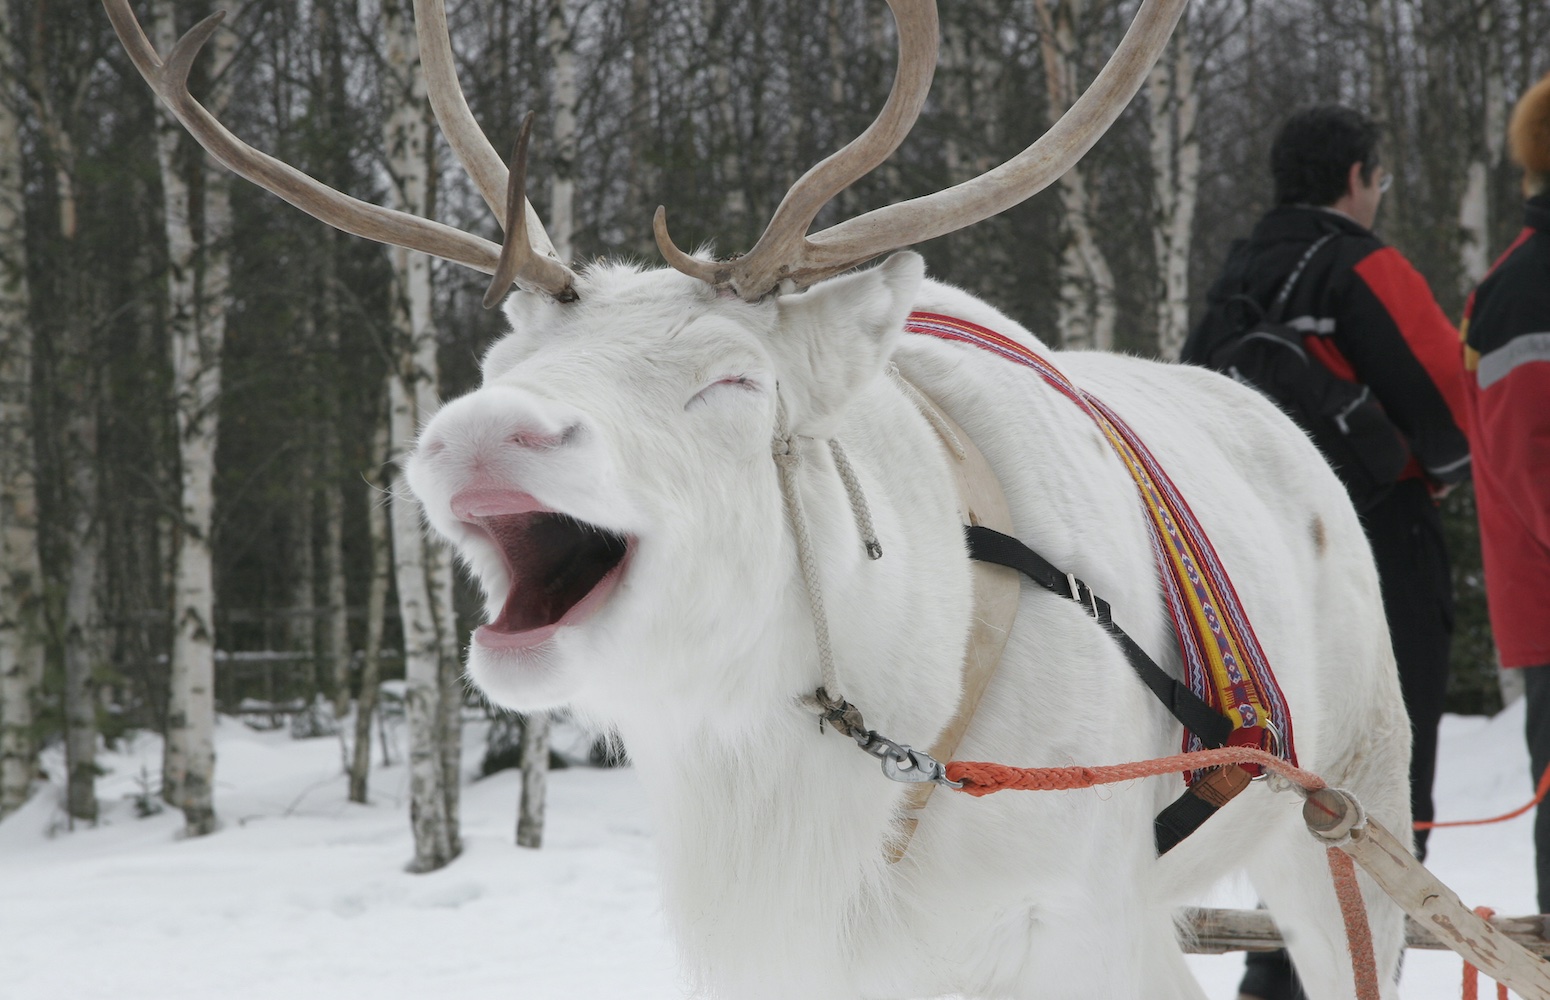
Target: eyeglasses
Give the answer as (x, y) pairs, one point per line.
(1385, 182)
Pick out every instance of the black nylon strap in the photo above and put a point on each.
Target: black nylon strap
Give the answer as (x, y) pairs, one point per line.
(1277, 307)
(1184, 816)
(989, 545)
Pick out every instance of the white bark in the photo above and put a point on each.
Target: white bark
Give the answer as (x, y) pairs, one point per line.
(1475, 201)
(303, 618)
(199, 275)
(376, 601)
(335, 620)
(78, 445)
(562, 197)
(1086, 313)
(535, 776)
(336, 624)
(82, 633)
(21, 634)
(434, 825)
(421, 570)
(734, 202)
(1175, 151)
(637, 14)
(562, 182)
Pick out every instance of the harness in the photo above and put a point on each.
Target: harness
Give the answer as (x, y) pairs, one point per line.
(1229, 696)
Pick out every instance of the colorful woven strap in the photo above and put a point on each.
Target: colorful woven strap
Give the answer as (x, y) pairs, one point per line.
(1223, 661)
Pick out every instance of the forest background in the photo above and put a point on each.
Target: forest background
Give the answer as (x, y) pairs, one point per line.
(203, 392)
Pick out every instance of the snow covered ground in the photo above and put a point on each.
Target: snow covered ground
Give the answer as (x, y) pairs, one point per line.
(302, 894)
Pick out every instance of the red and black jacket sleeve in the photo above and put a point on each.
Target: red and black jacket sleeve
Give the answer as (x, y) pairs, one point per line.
(1394, 338)
(1507, 331)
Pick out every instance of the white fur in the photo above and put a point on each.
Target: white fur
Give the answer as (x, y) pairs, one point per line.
(772, 834)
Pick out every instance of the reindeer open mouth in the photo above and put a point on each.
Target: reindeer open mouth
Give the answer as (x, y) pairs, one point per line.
(561, 569)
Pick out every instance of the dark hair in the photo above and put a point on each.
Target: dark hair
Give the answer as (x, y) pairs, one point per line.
(1312, 154)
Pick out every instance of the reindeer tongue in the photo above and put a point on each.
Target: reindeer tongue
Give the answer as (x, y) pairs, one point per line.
(555, 562)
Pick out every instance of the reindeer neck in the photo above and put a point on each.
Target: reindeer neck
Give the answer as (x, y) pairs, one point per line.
(742, 797)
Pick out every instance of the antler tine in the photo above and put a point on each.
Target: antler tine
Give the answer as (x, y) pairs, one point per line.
(520, 262)
(472, 148)
(782, 249)
(858, 240)
(169, 80)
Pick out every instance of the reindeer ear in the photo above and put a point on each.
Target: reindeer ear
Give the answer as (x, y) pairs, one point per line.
(838, 336)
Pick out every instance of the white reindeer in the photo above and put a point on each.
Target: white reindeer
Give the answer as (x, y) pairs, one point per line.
(611, 486)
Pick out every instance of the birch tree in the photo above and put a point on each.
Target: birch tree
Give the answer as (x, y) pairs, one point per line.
(422, 571)
(1173, 104)
(1086, 313)
(197, 283)
(335, 622)
(638, 173)
(562, 225)
(78, 380)
(376, 601)
(1474, 211)
(21, 627)
(719, 47)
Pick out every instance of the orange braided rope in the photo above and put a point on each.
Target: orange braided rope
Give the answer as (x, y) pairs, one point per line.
(1472, 974)
(1539, 796)
(1358, 935)
(980, 778)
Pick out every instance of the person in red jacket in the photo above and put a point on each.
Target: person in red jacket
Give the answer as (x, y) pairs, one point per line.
(1507, 360)
(1368, 317)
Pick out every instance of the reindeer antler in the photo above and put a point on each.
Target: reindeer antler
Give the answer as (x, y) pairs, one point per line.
(529, 255)
(780, 253)
(531, 266)
(786, 253)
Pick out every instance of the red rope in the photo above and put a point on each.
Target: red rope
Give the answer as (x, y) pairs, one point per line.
(1358, 935)
(1472, 974)
(981, 778)
(1539, 796)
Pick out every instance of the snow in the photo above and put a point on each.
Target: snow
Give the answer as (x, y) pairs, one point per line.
(302, 894)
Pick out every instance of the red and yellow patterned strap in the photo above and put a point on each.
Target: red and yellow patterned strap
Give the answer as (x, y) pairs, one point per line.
(1223, 662)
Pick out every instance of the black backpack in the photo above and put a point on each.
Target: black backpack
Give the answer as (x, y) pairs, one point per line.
(1349, 426)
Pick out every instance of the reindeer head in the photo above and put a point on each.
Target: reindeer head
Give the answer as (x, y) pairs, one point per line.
(610, 484)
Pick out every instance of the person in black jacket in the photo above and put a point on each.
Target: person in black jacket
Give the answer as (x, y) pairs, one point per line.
(1368, 317)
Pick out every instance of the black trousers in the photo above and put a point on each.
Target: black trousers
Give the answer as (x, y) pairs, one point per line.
(1405, 531)
(1537, 730)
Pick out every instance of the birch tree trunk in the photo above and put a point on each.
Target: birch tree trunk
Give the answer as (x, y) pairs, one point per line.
(21, 589)
(421, 572)
(535, 779)
(376, 601)
(1086, 312)
(1385, 41)
(637, 14)
(336, 623)
(198, 278)
(734, 204)
(562, 198)
(335, 620)
(303, 620)
(1475, 200)
(77, 446)
(1175, 151)
(83, 622)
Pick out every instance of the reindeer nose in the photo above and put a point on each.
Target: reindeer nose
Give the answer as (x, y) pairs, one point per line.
(498, 422)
